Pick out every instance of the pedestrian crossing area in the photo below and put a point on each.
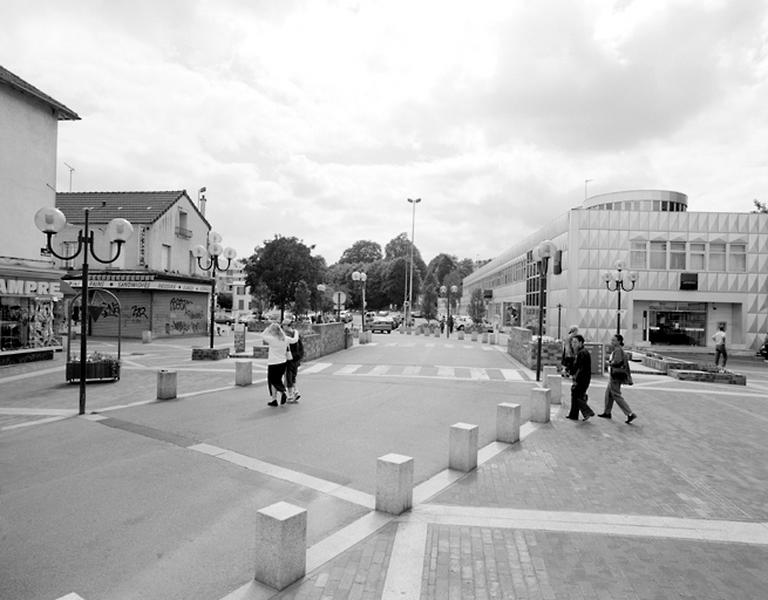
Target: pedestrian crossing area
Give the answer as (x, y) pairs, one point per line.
(399, 344)
(431, 371)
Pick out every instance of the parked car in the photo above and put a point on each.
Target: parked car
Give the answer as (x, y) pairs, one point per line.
(346, 316)
(382, 324)
(223, 318)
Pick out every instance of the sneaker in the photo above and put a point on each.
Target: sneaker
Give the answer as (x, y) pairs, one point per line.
(273, 403)
(604, 416)
(631, 418)
(283, 398)
(296, 398)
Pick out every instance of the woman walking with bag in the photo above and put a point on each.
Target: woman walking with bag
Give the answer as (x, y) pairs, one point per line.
(276, 360)
(620, 374)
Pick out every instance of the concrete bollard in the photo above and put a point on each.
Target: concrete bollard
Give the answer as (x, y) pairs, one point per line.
(146, 337)
(555, 384)
(540, 401)
(485, 337)
(437, 333)
(281, 545)
(461, 335)
(394, 483)
(508, 422)
(243, 372)
(166, 384)
(462, 447)
(548, 370)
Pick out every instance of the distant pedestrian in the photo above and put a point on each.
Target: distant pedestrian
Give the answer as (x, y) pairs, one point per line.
(276, 361)
(450, 325)
(719, 339)
(568, 354)
(293, 359)
(619, 374)
(582, 376)
(442, 325)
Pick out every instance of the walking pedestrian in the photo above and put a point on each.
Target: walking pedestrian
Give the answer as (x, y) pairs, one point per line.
(294, 356)
(568, 354)
(450, 325)
(619, 374)
(276, 361)
(582, 376)
(442, 325)
(720, 350)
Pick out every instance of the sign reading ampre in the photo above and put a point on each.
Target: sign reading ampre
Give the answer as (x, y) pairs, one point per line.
(339, 298)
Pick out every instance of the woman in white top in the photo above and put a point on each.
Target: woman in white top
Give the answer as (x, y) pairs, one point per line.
(276, 360)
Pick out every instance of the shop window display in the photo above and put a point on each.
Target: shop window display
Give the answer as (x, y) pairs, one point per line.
(27, 323)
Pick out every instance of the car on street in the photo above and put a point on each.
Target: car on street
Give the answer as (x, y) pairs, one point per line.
(461, 322)
(382, 324)
(223, 318)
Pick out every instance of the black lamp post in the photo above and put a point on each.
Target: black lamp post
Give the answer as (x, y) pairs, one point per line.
(615, 282)
(214, 251)
(447, 291)
(361, 277)
(51, 221)
(409, 308)
(559, 312)
(541, 253)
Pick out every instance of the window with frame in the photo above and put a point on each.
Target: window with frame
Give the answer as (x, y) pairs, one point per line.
(677, 255)
(166, 257)
(698, 256)
(68, 249)
(716, 256)
(658, 255)
(737, 258)
(638, 255)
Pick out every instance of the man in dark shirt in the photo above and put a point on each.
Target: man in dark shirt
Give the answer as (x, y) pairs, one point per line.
(581, 376)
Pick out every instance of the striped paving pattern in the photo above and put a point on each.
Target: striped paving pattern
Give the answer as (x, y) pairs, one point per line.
(436, 371)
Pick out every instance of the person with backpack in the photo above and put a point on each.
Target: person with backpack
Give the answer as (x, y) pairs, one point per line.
(294, 355)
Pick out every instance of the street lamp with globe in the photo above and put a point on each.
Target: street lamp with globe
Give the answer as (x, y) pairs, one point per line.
(616, 282)
(361, 277)
(541, 254)
(447, 291)
(214, 251)
(51, 221)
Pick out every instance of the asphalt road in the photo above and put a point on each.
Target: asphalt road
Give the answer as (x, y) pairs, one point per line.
(123, 504)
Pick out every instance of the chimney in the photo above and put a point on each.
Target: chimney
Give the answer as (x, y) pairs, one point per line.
(201, 200)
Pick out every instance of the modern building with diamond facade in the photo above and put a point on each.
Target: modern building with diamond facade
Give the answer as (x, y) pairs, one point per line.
(696, 271)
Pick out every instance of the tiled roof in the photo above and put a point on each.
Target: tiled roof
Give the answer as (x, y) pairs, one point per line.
(62, 112)
(138, 207)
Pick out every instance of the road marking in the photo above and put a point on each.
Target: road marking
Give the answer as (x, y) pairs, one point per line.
(321, 485)
(411, 370)
(71, 596)
(315, 368)
(347, 369)
(31, 374)
(446, 372)
(478, 374)
(608, 524)
(511, 375)
(59, 412)
(30, 423)
(379, 370)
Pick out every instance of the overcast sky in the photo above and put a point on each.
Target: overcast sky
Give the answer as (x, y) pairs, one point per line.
(320, 118)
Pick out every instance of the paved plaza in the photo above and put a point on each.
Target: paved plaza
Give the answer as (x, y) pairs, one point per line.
(671, 506)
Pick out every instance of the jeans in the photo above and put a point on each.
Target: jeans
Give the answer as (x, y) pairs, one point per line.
(720, 351)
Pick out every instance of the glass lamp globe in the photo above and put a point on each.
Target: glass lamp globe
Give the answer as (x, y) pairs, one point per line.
(50, 220)
(119, 230)
(198, 251)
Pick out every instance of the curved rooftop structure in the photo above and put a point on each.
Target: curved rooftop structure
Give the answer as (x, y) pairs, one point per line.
(641, 200)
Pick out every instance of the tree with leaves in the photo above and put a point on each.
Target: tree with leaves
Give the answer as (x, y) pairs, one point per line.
(476, 308)
(302, 298)
(362, 251)
(281, 263)
(429, 298)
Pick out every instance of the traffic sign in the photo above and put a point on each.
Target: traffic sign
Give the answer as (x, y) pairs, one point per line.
(339, 298)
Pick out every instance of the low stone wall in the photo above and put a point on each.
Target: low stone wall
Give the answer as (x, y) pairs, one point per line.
(324, 338)
(664, 365)
(210, 353)
(523, 349)
(728, 377)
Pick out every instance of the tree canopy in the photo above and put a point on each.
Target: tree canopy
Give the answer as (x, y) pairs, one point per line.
(281, 264)
(362, 251)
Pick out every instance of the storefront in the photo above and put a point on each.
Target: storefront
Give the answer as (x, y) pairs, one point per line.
(164, 304)
(31, 314)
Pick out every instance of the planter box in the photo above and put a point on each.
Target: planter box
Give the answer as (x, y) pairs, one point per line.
(94, 370)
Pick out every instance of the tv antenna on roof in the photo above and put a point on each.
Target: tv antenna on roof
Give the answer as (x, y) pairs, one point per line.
(71, 170)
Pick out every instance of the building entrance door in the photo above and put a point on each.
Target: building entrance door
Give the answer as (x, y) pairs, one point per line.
(677, 323)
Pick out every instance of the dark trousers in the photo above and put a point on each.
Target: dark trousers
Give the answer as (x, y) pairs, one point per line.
(720, 351)
(579, 402)
(275, 377)
(291, 371)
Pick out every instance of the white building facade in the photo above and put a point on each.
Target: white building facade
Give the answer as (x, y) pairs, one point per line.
(696, 271)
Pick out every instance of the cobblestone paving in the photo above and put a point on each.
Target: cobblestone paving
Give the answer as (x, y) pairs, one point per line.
(356, 574)
(474, 563)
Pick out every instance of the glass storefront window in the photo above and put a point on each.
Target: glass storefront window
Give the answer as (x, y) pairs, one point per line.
(26, 323)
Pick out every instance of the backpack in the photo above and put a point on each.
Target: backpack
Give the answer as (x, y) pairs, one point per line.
(297, 350)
